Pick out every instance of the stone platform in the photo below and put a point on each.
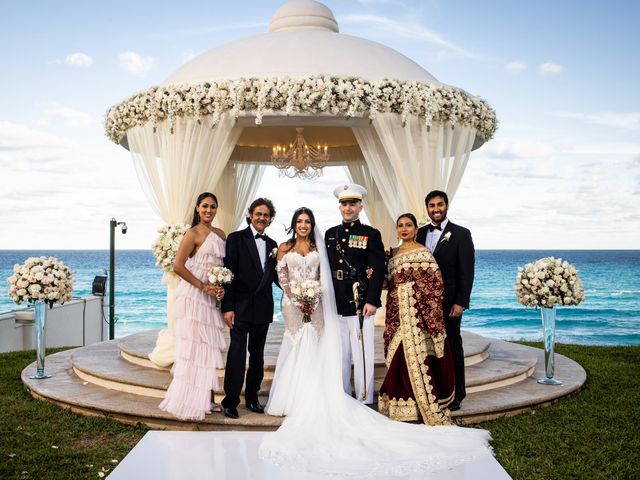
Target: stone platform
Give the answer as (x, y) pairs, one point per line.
(116, 379)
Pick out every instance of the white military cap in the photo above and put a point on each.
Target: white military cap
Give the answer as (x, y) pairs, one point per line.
(350, 192)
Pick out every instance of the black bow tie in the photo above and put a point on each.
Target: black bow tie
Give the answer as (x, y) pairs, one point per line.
(432, 227)
(261, 235)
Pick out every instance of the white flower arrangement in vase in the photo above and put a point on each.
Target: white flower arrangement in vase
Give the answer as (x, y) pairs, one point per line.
(547, 282)
(41, 279)
(165, 247)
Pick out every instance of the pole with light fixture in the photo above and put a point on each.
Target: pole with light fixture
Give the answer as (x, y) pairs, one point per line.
(113, 224)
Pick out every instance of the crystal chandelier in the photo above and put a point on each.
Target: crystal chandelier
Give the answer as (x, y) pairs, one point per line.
(300, 160)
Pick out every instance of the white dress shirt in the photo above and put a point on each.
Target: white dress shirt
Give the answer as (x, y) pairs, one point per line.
(261, 245)
(433, 237)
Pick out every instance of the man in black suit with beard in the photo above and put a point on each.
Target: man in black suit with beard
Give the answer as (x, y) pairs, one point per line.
(247, 306)
(453, 249)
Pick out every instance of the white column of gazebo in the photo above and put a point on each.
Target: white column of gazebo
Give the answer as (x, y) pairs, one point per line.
(211, 125)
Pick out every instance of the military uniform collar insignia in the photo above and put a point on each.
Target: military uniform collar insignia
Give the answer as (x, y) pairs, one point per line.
(351, 224)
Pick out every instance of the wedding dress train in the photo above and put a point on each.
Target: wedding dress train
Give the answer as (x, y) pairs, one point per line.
(330, 433)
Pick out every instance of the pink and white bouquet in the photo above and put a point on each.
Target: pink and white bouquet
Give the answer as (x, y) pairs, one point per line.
(41, 279)
(306, 295)
(219, 276)
(547, 282)
(165, 247)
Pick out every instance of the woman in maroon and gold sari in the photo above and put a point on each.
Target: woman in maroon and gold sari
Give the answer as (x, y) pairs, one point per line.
(420, 381)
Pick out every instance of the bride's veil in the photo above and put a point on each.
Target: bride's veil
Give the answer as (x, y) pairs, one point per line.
(330, 345)
(329, 432)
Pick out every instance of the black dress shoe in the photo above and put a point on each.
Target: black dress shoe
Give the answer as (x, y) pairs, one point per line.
(255, 407)
(455, 405)
(231, 412)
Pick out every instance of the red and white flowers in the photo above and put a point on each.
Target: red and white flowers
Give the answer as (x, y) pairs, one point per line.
(41, 279)
(306, 295)
(547, 282)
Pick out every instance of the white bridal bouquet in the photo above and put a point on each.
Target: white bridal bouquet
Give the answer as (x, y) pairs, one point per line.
(165, 247)
(41, 279)
(548, 281)
(306, 295)
(219, 276)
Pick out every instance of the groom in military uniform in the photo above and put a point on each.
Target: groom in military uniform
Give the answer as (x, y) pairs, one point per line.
(354, 250)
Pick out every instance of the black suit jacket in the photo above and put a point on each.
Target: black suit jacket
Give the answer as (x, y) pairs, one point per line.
(249, 295)
(456, 259)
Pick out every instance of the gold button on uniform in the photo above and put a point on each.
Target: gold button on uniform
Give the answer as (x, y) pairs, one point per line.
(344, 239)
(340, 261)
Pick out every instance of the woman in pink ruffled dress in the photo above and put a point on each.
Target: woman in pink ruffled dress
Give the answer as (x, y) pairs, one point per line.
(198, 327)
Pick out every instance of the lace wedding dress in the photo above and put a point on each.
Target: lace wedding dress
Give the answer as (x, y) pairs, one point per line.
(300, 339)
(325, 430)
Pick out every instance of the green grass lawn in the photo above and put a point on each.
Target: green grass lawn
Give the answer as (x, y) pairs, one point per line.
(39, 440)
(591, 435)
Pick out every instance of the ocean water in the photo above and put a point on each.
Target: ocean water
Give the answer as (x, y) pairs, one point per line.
(610, 315)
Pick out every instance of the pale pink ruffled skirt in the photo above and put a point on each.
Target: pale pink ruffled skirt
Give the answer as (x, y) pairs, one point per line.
(199, 340)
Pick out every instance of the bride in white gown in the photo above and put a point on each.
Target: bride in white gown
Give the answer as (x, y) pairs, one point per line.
(298, 260)
(325, 430)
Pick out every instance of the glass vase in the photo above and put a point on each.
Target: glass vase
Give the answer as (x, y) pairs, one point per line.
(549, 334)
(41, 343)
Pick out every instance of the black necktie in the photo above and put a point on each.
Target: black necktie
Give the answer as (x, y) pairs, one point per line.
(262, 236)
(432, 227)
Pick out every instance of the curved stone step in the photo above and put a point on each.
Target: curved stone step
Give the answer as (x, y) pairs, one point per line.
(69, 391)
(135, 348)
(101, 365)
(506, 364)
(523, 396)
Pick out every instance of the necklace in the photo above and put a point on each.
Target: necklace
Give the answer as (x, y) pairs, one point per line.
(410, 245)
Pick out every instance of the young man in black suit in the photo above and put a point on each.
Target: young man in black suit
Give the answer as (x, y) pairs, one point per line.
(453, 249)
(247, 306)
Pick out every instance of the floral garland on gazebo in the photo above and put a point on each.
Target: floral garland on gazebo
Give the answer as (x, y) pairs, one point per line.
(347, 96)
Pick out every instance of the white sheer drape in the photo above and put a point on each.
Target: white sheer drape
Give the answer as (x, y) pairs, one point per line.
(235, 190)
(381, 171)
(174, 167)
(406, 162)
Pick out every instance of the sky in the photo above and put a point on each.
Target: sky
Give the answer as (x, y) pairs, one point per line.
(562, 172)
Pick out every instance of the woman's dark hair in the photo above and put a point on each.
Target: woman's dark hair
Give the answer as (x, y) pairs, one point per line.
(201, 197)
(410, 216)
(436, 193)
(292, 229)
(261, 201)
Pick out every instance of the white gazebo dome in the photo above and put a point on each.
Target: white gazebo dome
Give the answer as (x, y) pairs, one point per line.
(303, 40)
(217, 123)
